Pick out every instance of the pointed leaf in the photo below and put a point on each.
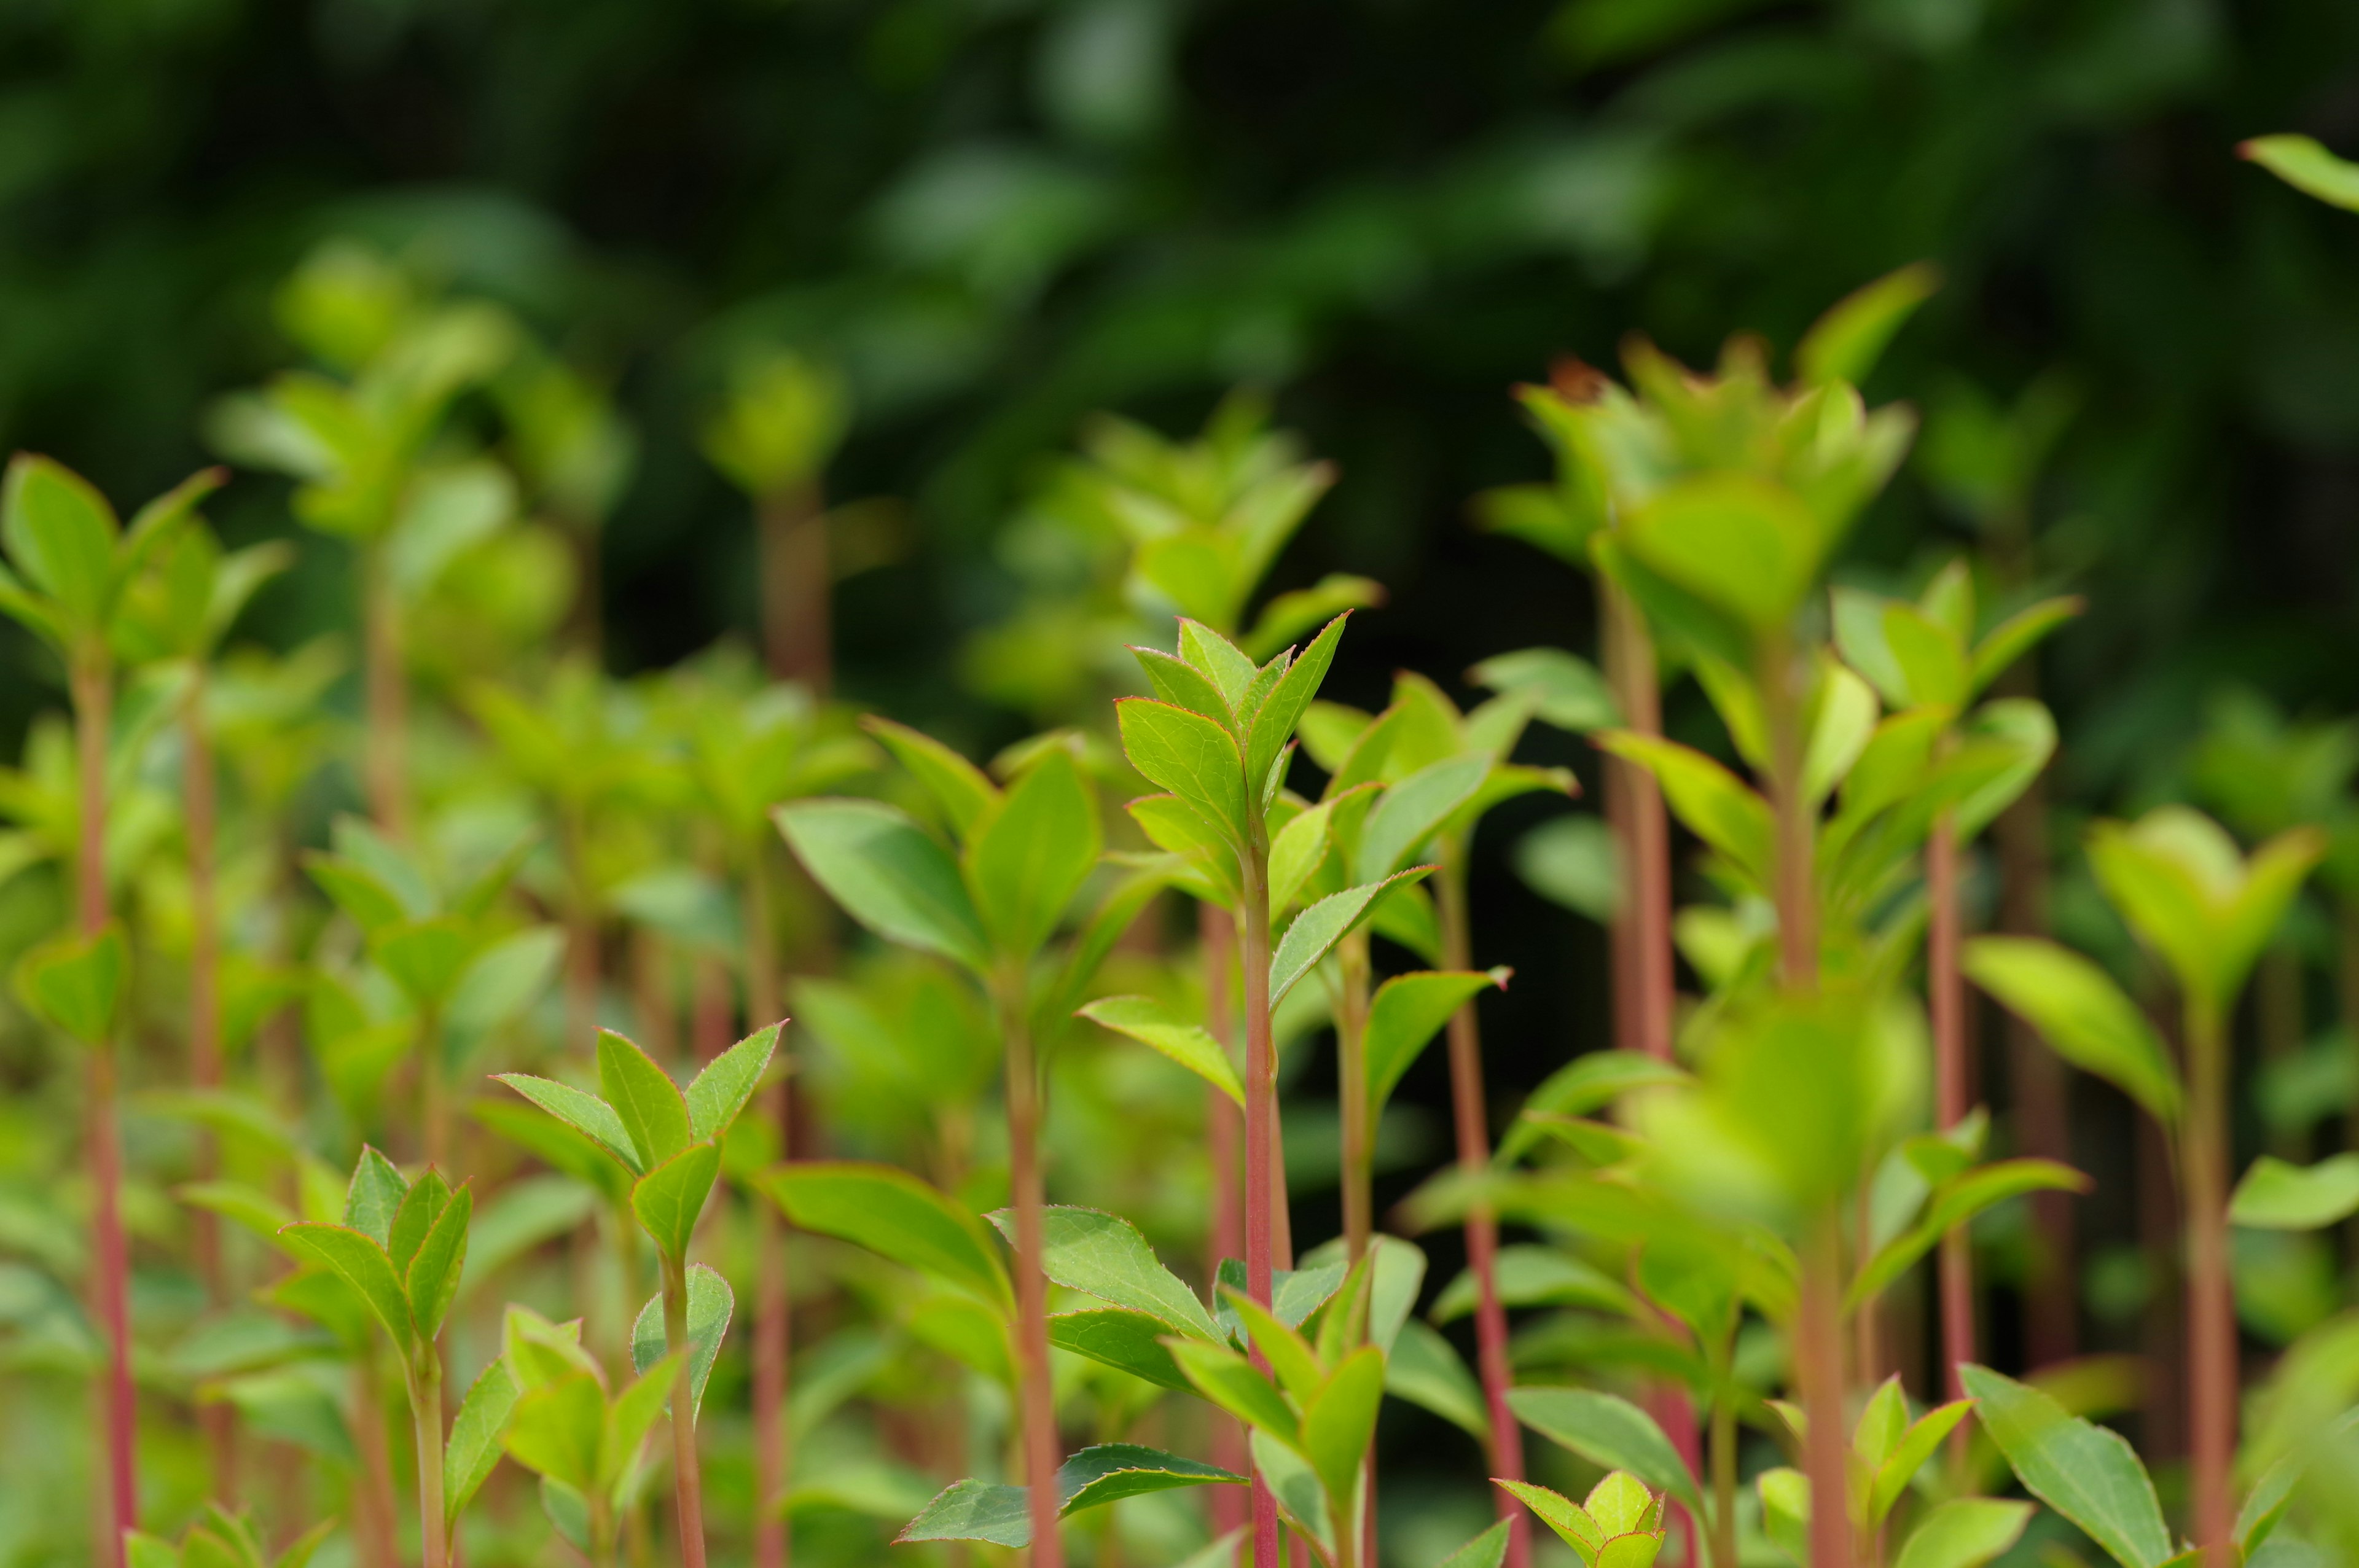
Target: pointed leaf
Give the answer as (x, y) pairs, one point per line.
(1029, 855)
(1229, 1381)
(727, 1082)
(973, 1510)
(1488, 1549)
(1560, 1514)
(2082, 1014)
(2084, 1472)
(1426, 1369)
(475, 1433)
(1190, 755)
(711, 1304)
(1191, 1045)
(1339, 1424)
(1965, 1533)
(2306, 166)
(375, 1197)
(962, 791)
(888, 874)
(1318, 928)
(632, 1413)
(421, 1207)
(1899, 1466)
(553, 1432)
(1409, 1010)
(2275, 1196)
(75, 984)
(586, 1113)
(1844, 343)
(433, 1278)
(1282, 709)
(649, 1104)
(1130, 1341)
(1182, 685)
(2018, 635)
(1411, 811)
(1110, 1472)
(893, 1213)
(1714, 804)
(361, 1263)
(669, 1198)
(1104, 1256)
(1607, 1430)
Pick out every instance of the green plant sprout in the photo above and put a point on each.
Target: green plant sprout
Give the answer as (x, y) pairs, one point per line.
(670, 1141)
(562, 1423)
(223, 1540)
(1618, 1525)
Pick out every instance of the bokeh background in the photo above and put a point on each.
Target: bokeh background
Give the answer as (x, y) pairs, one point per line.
(995, 216)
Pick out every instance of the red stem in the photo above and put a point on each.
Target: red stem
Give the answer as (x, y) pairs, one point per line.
(1039, 1400)
(218, 1419)
(2211, 1314)
(1216, 932)
(687, 1469)
(773, 1313)
(1261, 1137)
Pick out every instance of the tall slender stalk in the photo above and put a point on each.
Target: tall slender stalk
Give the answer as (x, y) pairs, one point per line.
(688, 1470)
(773, 1308)
(426, 1420)
(1028, 1197)
(2211, 1314)
(1352, 966)
(1953, 1093)
(796, 641)
(1724, 1466)
(1643, 923)
(217, 1418)
(1469, 1114)
(1261, 1134)
(92, 684)
(1225, 1235)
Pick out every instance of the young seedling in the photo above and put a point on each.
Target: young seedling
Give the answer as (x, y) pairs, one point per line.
(1619, 1525)
(1023, 856)
(670, 1141)
(584, 1442)
(401, 1248)
(1889, 1448)
(2208, 912)
(69, 564)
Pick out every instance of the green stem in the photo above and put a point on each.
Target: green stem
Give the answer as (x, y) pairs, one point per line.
(2211, 1312)
(688, 1473)
(1261, 1133)
(1028, 1198)
(426, 1419)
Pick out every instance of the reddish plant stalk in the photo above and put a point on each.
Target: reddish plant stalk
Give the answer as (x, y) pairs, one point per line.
(773, 1311)
(1953, 1094)
(796, 640)
(1353, 964)
(1261, 1136)
(2211, 1313)
(387, 692)
(2041, 1083)
(1643, 923)
(217, 1419)
(1216, 932)
(94, 702)
(1028, 1197)
(1470, 1116)
(688, 1470)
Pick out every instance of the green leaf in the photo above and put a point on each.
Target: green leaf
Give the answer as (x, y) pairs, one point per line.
(372, 905)
(1565, 690)
(1295, 850)
(1341, 1421)
(1538, 1276)
(2016, 635)
(1899, 1465)
(2275, 1196)
(962, 790)
(475, 1434)
(632, 1413)
(1714, 804)
(432, 1282)
(361, 1263)
(892, 1213)
(2084, 1472)
(1965, 1533)
(2178, 880)
(2082, 1014)
(711, 1304)
(376, 1195)
(1560, 1514)
(649, 1105)
(1130, 1341)
(1745, 544)
(1302, 1502)
(555, 1428)
(1104, 1256)
(1413, 810)
(728, 1082)
(1182, 685)
(1229, 1381)
(888, 874)
(75, 984)
(1844, 343)
(1409, 1010)
(1282, 709)
(1287, 615)
(1110, 1472)
(1318, 928)
(1586, 1084)
(2306, 166)
(585, 1113)
(973, 1510)
(1488, 1549)
(1607, 1430)
(141, 1550)
(1029, 856)
(1190, 755)
(1147, 1020)
(668, 1198)
(61, 534)
(421, 1207)
(425, 958)
(1955, 1204)
(1785, 1511)
(1220, 661)
(1425, 1369)
(301, 1550)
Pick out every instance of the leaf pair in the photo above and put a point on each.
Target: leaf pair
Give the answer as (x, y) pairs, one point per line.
(428, 940)
(1619, 1525)
(1888, 1448)
(562, 1423)
(668, 1141)
(1926, 654)
(76, 983)
(220, 1539)
(401, 1245)
(70, 561)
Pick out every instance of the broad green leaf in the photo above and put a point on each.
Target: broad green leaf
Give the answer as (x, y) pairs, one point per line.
(505, 979)
(893, 1213)
(372, 905)
(632, 1413)
(1538, 1276)
(76, 983)
(649, 1105)
(1341, 1421)
(2084, 1472)
(2178, 880)
(669, 1198)
(1110, 1472)
(586, 1113)
(1030, 853)
(1287, 615)
(1296, 851)
(2306, 166)
(475, 1434)
(2082, 1014)
(1318, 928)
(1128, 1340)
(1843, 722)
(361, 1263)
(1104, 1256)
(1302, 1502)
(2016, 635)
(727, 1082)
(1744, 544)
(1190, 755)
(1844, 343)
(962, 791)
(1785, 1511)
(375, 1197)
(973, 1510)
(1181, 684)
(61, 534)
(1607, 1430)
(300, 1551)
(554, 1430)
(711, 1304)
(1191, 1045)
(1565, 690)
(1229, 1381)
(1291, 1359)
(1488, 1549)
(888, 874)
(141, 1550)
(568, 1510)
(425, 958)
(1406, 1013)
(1953, 1204)
(1965, 1533)
(1563, 1514)
(2275, 1196)
(1898, 1467)
(1227, 665)
(1282, 709)
(421, 1207)
(432, 1281)
(1587, 1084)
(1714, 804)
(1411, 811)
(1426, 1369)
